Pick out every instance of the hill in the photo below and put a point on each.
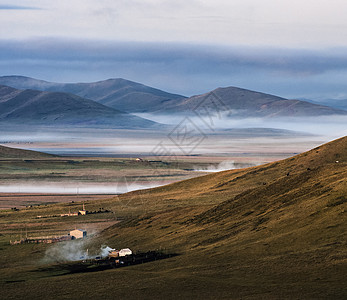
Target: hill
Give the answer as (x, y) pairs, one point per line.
(7, 152)
(273, 231)
(117, 93)
(245, 103)
(56, 108)
(312, 166)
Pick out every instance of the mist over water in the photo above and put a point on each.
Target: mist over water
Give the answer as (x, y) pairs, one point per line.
(334, 125)
(77, 188)
(229, 138)
(221, 129)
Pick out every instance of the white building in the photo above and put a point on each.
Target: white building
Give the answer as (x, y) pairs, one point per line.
(124, 252)
(78, 234)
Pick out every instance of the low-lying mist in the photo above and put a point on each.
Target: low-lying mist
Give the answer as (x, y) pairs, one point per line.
(333, 125)
(219, 133)
(76, 188)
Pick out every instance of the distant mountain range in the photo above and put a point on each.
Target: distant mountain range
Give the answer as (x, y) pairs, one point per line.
(336, 103)
(237, 102)
(31, 107)
(117, 93)
(133, 97)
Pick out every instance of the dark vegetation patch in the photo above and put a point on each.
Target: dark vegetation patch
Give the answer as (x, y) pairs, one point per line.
(101, 264)
(337, 201)
(259, 222)
(14, 281)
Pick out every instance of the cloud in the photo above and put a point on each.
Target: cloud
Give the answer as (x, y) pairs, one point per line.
(17, 7)
(248, 22)
(181, 68)
(288, 61)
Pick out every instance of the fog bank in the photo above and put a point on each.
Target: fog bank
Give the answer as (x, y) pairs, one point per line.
(76, 188)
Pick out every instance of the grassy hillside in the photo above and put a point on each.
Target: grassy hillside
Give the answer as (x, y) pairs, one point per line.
(7, 152)
(276, 231)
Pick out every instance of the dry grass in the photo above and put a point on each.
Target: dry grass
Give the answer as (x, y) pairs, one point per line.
(276, 231)
(8, 152)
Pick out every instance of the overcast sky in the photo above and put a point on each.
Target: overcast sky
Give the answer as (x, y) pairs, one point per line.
(288, 47)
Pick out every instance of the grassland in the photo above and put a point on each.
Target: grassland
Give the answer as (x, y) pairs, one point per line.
(276, 231)
(82, 169)
(32, 178)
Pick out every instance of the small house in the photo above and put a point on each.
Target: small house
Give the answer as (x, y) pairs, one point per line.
(78, 234)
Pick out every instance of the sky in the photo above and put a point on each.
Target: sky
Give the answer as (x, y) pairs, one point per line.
(291, 48)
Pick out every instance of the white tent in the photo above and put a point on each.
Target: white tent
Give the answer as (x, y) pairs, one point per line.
(124, 252)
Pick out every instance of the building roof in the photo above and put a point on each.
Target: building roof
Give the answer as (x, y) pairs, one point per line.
(79, 230)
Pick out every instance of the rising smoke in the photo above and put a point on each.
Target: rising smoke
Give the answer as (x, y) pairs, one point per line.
(73, 251)
(223, 166)
(66, 251)
(226, 165)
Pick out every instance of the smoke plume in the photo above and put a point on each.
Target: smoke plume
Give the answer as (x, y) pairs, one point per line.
(73, 251)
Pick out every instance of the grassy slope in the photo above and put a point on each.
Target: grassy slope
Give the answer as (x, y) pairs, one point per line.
(273, 231)
(7, 152)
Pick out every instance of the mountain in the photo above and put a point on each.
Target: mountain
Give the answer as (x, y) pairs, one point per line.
(56, 108)
(245, 103)
(134, 97)
(7, 152)
(117, 93)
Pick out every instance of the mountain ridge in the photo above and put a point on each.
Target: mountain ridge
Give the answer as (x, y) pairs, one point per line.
(135, 97)
(58, 108)
(114, 92)
(239, 102)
